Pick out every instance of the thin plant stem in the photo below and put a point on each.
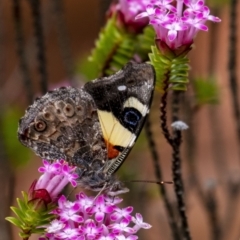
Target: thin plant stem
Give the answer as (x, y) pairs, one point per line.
(176, 168)
(39, 38)
(20, 50)
(232, 65)
(158, 174)
(7, 183)
(58, 13)
(175, 142)
(212, 207)
(163, 112)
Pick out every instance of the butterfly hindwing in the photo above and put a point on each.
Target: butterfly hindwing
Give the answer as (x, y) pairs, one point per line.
(63, 124)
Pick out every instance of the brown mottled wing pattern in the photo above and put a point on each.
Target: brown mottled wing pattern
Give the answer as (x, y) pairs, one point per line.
(63, 124)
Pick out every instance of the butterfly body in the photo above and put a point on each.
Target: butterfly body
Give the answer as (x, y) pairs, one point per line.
(93, 127)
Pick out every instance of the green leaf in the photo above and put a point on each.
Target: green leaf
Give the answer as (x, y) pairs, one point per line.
(145, 41)
(113, 49)
(14, 221)
(161, 64)
(18, 213)
(21, 204)
(206, 91)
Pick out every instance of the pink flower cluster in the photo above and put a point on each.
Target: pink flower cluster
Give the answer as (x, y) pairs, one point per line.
(177, 22)
(86, 217)
(89, 218)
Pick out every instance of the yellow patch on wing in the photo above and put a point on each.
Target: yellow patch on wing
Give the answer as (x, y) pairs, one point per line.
(133, 102)
(113, 131)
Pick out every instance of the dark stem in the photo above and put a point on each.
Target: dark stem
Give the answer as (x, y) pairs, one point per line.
(58, 13)
(176, 168)
(20, 50)
(163, 112)
(233, 191)
(158, 174)
(232, 65)
(178, 184)
(39, 38)
(7, 183)
(212, 207)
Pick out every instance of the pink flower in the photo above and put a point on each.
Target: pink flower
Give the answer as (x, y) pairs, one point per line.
(98, 219)
(54, 178)
(126, 11)
(177, 26)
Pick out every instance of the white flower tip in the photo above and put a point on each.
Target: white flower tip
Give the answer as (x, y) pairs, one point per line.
(179, 125)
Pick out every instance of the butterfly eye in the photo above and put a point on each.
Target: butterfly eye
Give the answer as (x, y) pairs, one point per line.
(40, 126)
(68, 110)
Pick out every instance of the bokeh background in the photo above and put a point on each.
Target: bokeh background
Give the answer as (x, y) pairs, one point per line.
(210, 150)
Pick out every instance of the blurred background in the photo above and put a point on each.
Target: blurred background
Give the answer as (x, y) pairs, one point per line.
(210, 150)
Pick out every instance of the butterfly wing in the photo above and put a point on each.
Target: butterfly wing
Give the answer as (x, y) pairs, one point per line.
(123, 101)
(63, 124)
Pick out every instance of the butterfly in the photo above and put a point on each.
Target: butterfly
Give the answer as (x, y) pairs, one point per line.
(93, 127)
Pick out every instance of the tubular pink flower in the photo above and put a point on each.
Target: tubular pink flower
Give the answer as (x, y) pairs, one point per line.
(139, 223)
(130, 8)
(101, 208)
(75, 220)
(177, 26)
(90, 229)
(55, 177)
(55, 226)
(150, 11)
(122, 213)
(121, 227)
(68, 233)
(122, 237)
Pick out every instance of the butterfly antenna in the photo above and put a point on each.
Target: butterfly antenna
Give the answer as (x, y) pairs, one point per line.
(69, 194)
(150, 181)
(100, 192)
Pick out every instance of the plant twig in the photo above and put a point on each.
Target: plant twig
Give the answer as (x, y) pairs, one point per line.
(58, 13)
(39, 38)
(163, 111)
(7, 183)
(232, 65)
(212, 209)
(176, 168)
(158, 174)
(20, 50)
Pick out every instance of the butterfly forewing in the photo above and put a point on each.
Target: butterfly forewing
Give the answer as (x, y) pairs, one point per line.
(123, 101)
